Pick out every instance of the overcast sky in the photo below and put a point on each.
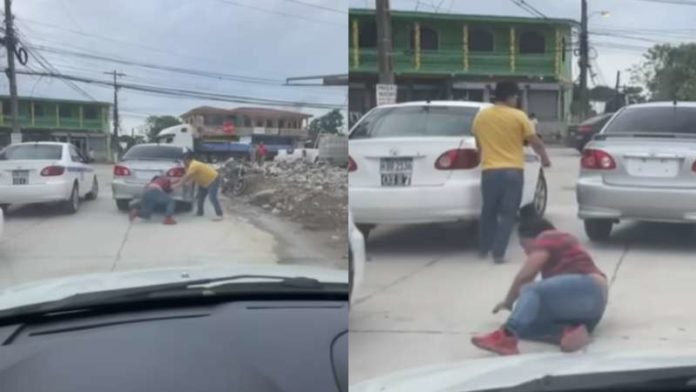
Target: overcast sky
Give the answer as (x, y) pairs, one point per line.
(641, 23)
(268, 39)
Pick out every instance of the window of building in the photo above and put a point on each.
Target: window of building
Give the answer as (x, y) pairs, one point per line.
(65, 111)
(481, 40)
(90, 112)
(367, 31)
(281, 123)
(215, 119)
(39, 110)
(532, 42)
(269, 123)
(247, 121)
(6, 109)
(429, 39)
(259, 123)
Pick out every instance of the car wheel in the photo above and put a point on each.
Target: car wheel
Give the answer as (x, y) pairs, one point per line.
(598, 229)
(365, 230)
(123, 204)
(92, 195)
(73, 203)
(541, 195)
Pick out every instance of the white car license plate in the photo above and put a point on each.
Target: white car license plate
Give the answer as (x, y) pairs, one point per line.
(396, 171)
(652, 167)
(20, 177)
(146, 174)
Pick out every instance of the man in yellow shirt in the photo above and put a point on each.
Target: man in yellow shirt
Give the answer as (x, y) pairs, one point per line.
(501, 132)
(207, 180)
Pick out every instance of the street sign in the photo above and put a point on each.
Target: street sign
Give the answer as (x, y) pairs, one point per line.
(386, 94)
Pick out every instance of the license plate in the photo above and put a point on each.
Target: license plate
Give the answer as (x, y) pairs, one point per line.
(146, 174)
(20, 177)
(396, 171)
(644, 167)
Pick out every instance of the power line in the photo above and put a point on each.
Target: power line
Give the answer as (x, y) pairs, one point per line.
(528, 8)
(317, 6)
(281, 13)
(673, 2)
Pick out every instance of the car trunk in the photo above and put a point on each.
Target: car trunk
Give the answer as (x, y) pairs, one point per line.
(24, 172)
(142, 171)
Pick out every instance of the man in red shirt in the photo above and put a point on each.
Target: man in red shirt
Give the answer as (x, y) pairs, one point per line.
(261, 152)
(563, 307)
(156, 195)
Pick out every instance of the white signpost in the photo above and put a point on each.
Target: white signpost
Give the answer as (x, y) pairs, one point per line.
(386, 94)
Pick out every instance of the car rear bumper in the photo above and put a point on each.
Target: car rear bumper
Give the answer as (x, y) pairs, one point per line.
(451, 202)
(127, 191)
(597, 200)
(30, 194)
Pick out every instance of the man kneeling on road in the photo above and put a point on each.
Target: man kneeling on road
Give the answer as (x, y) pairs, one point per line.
(563, 307)
(208, 181)
(156, 195)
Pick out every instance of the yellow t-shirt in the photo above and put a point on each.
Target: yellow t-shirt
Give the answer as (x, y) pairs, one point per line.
(203, 175)
(501, 131)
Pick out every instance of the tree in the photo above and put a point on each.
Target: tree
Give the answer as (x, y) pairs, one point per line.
(668, 72)
(155, 124)
(330, 123)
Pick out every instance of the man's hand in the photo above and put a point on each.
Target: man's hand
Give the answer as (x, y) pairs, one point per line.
(545, 162)
(502, 305)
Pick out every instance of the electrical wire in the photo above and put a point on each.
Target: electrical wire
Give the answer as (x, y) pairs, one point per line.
(317, 6)
(281, 13)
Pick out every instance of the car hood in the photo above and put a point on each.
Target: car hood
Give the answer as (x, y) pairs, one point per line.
(59, 288)
(506, 372)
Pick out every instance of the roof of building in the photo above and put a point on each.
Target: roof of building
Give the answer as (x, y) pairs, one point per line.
(460, 17)
(59, 100)
(249, 111)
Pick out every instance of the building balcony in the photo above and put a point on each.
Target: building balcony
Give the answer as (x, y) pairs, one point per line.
(52, 123)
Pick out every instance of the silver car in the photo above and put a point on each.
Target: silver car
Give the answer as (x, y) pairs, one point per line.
(140, 164)
(641, 166)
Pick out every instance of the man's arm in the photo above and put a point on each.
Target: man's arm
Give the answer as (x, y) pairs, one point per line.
(530, 269)
(539, 148)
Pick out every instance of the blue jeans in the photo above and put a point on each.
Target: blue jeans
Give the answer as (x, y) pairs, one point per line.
(153, 199)
(501, 195)
(545, 307)
(212, 193)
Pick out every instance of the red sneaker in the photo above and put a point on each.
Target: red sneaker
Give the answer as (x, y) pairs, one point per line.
(169, 221)
(132, 214)
(574, 338)
(498, 342)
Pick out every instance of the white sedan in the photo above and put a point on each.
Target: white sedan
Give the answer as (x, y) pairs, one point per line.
(417, 162)
(46, 172)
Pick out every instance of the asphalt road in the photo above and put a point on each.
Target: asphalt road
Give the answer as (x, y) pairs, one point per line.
(426, 293)
(42, 242)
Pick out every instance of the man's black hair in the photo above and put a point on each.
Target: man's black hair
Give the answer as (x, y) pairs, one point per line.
(532, 225)
(505, 90)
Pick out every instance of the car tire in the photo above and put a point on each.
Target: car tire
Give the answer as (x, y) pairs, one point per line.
(598, 229)
(365, 230)
(94, 193)
(72, 205)
(123, 204)
(541, 195)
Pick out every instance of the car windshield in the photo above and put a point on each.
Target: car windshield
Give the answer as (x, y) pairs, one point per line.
(154, 153)
(654, 120)
(32, 152)
(416, 121)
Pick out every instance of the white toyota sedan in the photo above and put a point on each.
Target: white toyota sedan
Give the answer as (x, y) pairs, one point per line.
(46, 172)
(417, 162)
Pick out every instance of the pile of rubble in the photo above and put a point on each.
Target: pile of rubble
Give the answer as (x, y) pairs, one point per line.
(312, 194)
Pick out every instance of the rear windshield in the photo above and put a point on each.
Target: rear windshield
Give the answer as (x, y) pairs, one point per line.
(654, 120)
(156, 153)
(407, 121)
(597, 119)
(32, 151)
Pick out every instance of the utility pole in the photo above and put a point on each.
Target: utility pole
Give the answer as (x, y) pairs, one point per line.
(384, 43)
(115, 113)
(11, 75)
(584, 60)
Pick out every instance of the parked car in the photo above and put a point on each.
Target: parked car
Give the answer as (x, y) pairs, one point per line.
(642, 166)
(581, 134)
(46, 172)
(417, 162)
(356, 257)
(140, 164)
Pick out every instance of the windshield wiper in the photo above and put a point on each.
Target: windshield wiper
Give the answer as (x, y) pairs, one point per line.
(185, 289)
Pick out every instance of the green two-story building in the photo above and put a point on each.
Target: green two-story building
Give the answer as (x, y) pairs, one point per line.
(82, 123)
(461, 57)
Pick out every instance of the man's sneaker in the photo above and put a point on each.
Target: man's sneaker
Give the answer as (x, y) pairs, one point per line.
(169, 221)
(132, 214)
(574, 338)
(498, 342)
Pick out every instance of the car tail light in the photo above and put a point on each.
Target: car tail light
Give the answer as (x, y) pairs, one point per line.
(176, 172)
(597, 160)
(51, 171)
(585, 129)
(352, 166)
(458, 159)
(121, 171)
